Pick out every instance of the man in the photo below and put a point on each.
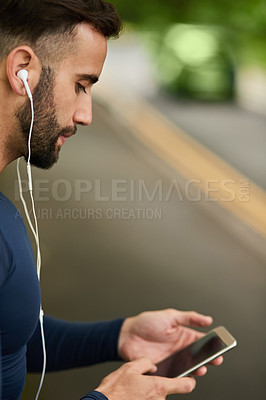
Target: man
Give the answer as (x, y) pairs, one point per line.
(62, 44)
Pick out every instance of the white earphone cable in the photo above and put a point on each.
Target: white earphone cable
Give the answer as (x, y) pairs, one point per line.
(44, 355)
(35, 231)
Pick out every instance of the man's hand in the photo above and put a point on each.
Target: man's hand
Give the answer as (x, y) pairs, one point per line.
(159, 334)
(128, 382)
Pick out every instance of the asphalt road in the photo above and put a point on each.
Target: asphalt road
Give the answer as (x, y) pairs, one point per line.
(113, 245)
(236, 135)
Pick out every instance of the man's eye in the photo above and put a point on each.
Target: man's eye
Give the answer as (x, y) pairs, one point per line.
(81, 88)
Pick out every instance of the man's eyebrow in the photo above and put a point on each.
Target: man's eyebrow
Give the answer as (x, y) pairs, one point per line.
(88, 77)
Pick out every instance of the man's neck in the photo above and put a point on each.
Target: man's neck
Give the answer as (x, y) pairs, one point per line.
(8, 149)
(5, 159)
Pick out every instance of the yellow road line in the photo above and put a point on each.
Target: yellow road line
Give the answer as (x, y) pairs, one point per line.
(216, 178)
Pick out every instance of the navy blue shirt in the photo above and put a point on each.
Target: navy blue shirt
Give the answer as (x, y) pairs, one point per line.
(68, 344)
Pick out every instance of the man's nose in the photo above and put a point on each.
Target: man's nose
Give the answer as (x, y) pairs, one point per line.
(83, 113)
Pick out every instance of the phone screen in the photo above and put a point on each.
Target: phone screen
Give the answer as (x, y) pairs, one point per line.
(190, 356)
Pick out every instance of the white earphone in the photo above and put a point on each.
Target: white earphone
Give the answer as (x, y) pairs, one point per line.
(23, 75)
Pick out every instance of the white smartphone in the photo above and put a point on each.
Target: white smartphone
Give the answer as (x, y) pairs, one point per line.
(197, 354)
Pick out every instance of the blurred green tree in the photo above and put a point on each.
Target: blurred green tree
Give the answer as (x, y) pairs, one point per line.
(239, 27)
(246, 15)
(245, 20)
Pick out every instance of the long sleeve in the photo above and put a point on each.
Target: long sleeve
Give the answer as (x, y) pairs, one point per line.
(95, 396)
(73, 344)
(68, 344)
(0, 368)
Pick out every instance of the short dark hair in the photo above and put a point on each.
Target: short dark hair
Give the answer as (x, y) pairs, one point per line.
(28, 21)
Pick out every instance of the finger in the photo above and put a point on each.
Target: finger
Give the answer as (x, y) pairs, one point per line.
(180, 385)
(142, 365)
(193, 319)
(218, 361)
(201, 371)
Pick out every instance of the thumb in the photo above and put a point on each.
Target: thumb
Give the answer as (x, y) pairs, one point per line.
(193, 319)
(143, 365)
(181, 385)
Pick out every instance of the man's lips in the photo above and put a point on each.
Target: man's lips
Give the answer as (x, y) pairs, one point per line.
(67, 134)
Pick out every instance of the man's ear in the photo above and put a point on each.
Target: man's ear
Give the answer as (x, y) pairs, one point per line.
(23, 57)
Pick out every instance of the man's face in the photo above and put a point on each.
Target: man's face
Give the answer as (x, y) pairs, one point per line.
(62, 98)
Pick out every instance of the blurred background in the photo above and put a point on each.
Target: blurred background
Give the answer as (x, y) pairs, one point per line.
(204, 50)
(161, 201)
